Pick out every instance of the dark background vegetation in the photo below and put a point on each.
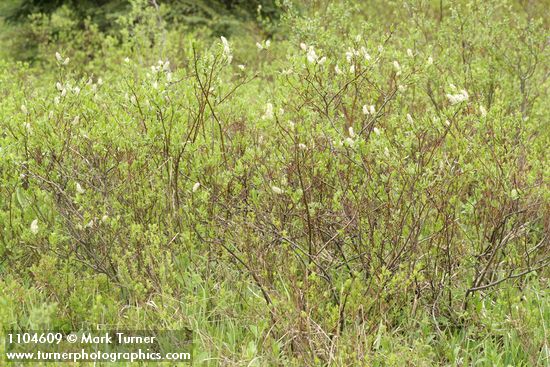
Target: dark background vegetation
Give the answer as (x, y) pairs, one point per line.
(213, 17)
(103, 12)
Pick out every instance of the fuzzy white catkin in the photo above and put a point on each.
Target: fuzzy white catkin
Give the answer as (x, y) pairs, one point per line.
(264, 45)
(277, 190)
(196, 186)
(268, 114)
(458, 98)
(365, 54)
(34, 226)
(351, 132)
(349, 55)
(482, 110)
(79, 189)
(226, 50)
(311, 55)
(396, 65)
(409, 118)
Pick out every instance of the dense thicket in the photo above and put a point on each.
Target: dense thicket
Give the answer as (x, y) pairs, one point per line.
(366, 186)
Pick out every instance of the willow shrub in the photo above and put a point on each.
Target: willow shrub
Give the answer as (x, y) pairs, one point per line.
(322, 197)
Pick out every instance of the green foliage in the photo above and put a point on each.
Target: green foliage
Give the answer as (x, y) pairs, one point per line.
(366, 187)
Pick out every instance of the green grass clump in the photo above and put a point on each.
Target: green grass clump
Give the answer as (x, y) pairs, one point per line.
(368, 185)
